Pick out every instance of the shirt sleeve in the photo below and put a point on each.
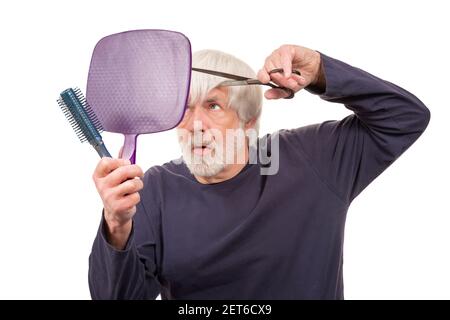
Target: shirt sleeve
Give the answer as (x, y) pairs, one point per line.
(350, 153)
(130, 273)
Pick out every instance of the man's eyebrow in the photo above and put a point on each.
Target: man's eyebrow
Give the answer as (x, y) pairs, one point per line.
(210, 99)
(213, 99)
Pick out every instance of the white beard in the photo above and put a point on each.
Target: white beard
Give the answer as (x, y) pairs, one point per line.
(213, 162)
(207, 165)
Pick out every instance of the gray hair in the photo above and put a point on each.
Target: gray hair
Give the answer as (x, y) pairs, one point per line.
(246, 100)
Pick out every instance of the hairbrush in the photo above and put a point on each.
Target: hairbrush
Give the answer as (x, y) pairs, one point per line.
(82, 119)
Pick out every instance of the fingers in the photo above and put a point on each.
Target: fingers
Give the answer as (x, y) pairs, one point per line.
(122, 209)
(283, 58)
(280, 58)
(263, 76)
(286, 57)
(122, 174)
(292, 82)
(129, 202)
(272, 94)
(126, 204)
(106, 165)
(299, 79)
(118, 184)
(120, 198)
(111, 173)
(271, 63)
(128, 187)
(113, 198)
(295, 83)
(282, 81)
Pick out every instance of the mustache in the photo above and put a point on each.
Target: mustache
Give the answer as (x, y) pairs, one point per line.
(192, 142)
(206, 144)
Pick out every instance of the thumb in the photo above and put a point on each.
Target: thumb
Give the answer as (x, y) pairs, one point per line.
(121, 152)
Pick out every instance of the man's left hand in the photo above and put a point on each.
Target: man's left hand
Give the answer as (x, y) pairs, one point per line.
(289, 57)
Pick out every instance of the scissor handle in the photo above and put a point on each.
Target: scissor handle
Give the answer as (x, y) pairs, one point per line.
(289, 91)
(280, 70)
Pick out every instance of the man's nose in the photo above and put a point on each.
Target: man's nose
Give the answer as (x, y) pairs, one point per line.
(198, 120)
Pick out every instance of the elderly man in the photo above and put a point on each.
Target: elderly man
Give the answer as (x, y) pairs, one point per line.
(206, 228)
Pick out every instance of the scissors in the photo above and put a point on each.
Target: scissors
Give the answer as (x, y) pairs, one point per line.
(245, 81)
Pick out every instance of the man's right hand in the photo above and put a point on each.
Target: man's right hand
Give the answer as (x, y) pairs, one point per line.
(118, 184)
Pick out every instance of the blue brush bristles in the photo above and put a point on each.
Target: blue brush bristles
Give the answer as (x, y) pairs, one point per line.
(82, 119)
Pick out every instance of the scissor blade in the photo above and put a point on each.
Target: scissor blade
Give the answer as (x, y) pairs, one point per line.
(220, 74)
(229, 83)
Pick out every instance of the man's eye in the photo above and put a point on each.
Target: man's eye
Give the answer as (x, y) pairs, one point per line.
(214, 106)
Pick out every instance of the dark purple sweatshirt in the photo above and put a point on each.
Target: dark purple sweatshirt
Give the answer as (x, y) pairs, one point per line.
(263, 236)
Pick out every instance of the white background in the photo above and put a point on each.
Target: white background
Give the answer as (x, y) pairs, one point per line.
(397, 233)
